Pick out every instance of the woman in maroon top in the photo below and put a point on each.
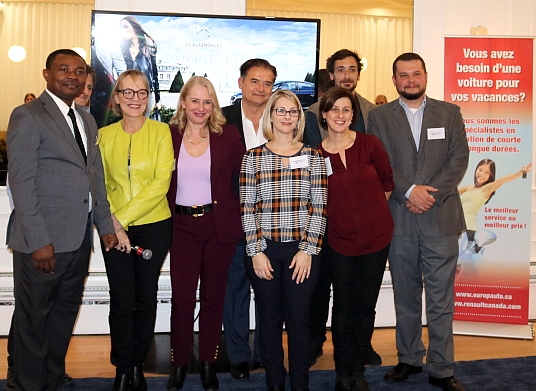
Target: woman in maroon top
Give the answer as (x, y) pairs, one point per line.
(360, 228)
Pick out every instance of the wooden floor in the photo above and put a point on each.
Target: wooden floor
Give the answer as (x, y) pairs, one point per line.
(88, 356)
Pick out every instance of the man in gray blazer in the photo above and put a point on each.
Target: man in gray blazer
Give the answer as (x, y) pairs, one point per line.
(426, 142)
(57, 183)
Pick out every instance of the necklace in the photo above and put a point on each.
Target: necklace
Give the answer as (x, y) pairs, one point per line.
(195, 142)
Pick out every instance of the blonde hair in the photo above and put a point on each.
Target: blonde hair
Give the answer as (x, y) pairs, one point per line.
(134, 74)
(267, 127)
(216, 119)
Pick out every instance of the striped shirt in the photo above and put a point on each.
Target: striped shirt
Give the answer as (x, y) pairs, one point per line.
(281, 203)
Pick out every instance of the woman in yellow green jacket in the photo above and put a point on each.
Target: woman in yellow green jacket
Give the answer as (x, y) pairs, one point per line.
(137, 155)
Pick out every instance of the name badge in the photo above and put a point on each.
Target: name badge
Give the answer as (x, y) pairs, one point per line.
(298, 161)
(436, 133)
(329, 169)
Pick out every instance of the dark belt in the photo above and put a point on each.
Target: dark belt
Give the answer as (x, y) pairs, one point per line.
(196, 210)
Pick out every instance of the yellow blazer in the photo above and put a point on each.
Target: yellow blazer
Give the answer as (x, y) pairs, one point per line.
(137, 194)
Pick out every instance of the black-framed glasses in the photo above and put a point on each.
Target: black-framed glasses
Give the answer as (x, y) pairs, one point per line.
(129, 93)
(282, 112)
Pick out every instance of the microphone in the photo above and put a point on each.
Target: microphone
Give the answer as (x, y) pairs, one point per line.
(145, 253)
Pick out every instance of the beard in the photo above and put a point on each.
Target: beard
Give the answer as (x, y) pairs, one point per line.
(353, 82)
(412, 96)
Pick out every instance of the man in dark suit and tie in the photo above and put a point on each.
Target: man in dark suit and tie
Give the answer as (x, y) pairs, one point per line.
(426, 142)
(57, 183)
(257, 78)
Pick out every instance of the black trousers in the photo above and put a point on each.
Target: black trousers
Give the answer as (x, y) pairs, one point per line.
(46, 307)
(321, 299)
(356, 285)
(282, 300)
(133, 288)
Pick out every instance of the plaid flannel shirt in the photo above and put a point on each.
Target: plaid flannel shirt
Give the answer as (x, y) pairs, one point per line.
(283, 204)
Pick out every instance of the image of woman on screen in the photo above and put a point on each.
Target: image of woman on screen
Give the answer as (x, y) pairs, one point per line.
(475, 196)
(139, 51)
(206, 226)
(137, 156)
(283, 194)
(360, 230)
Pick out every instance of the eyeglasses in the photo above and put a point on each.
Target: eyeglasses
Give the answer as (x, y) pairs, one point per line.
(129, 93)
(282, 112)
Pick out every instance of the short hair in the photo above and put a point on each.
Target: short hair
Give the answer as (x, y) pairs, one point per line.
(92, 72)
(341, 55)
(134, 74)
(328, 101)
(267, 127)
(324, 81)
(257, 62)
(67, 52)
(216, 120)
(408, 57)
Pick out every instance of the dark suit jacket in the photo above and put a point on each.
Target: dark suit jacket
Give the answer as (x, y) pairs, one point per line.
(440, 163)
(50, 181)
(233, 115)
(226, 153)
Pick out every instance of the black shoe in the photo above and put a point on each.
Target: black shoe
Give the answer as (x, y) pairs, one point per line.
(446, 383)
(401, 372)
(138, 380)
(373, 358)
(360, 384)
(67, 378)
(209, 380)
(240, 370)
(343, 385)
(122, 382)
(176, 378)
(276, 388)
(258, 365)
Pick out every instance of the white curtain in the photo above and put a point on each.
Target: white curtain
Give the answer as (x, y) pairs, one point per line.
(40, 28)
(378, 39)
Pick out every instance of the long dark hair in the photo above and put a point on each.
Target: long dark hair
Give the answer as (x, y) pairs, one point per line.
(147, 43)
(491, 178)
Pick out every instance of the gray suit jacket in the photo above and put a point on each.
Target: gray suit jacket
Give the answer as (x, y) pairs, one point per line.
(49, 180)
(440, 163)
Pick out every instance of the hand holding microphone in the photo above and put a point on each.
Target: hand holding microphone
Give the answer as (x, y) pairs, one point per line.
(145, 253)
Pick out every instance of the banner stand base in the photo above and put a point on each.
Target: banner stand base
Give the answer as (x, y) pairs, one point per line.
(501, 330)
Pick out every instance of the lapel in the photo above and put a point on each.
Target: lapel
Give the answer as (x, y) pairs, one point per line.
(62, 128)
(215, 153)
(402, 120)
(237, 121)
(427, 117)
(91, 140)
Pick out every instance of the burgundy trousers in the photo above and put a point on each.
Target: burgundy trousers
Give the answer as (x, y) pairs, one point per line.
(197, 254)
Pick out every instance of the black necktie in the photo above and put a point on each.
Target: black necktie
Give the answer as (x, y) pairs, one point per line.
(77, 135)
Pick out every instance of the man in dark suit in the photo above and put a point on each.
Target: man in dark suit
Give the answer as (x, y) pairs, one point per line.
(257, 78)
(426, 142)
(57, 183)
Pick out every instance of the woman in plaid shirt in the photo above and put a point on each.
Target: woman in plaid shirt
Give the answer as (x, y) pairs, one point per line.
(283, 194)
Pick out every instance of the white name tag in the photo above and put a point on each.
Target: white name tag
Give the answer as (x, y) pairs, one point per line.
(298, 161)
(329, 169)
(436, 133)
